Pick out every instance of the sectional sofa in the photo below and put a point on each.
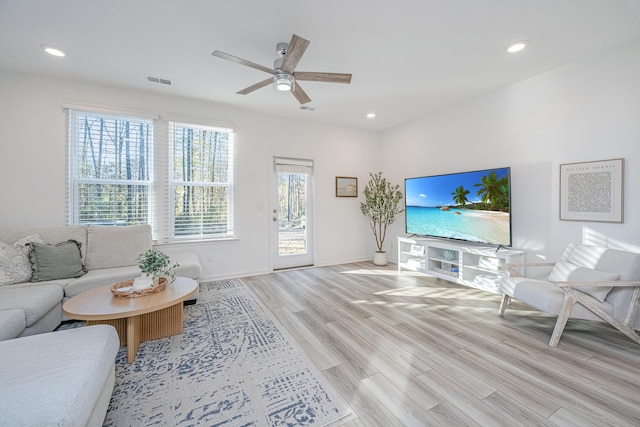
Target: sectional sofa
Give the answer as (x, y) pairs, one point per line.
(61, 262)
(63, 378)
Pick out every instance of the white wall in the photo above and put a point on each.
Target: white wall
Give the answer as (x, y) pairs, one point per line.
(584, 112)
(32, 168)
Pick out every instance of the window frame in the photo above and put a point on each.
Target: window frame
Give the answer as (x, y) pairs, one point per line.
(161, 193)
(75, 180)
(228, 185)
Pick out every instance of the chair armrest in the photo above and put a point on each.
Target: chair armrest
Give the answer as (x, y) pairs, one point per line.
(510, 267)
(614, 283)
(531, 264)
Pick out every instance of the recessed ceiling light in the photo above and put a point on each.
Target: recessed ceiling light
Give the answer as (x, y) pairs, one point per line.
(516, 46)
(371, 115)
(54, 51)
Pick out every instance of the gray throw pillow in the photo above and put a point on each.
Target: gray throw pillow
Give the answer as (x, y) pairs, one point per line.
(60, 261)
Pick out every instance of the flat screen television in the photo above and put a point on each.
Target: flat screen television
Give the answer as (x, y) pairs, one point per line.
(472, 206)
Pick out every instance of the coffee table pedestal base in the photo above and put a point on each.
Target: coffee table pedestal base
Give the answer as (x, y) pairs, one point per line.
(145, 327)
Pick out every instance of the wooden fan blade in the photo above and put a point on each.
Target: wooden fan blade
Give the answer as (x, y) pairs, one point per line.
(300, 94)
(323, 77)
(242, 61)
(255, 86)
(296, 49)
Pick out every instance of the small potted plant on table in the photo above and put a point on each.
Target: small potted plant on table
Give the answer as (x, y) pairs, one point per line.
(154, 265)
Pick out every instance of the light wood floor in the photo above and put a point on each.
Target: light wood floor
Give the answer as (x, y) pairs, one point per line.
(405, 349)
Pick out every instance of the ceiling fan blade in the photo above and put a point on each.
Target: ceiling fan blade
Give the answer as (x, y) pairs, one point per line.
(323, 77)
(296, 49)
(255, 86)
(242, 61)
(300, 94)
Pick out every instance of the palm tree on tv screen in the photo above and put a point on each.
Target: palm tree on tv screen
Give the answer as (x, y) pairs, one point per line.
(494, 191)
(460, 196)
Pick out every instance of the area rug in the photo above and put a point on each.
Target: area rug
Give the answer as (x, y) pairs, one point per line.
(234, 365)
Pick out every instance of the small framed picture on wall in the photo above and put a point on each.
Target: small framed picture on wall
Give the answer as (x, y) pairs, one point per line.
(346, 186)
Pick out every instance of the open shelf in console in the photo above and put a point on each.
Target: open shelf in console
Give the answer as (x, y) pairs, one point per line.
(465, 263)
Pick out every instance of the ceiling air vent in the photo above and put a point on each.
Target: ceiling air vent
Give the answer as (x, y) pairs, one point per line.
(159, 80)
(304, 107)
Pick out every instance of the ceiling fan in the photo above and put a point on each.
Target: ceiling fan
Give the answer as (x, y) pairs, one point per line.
(284, 78)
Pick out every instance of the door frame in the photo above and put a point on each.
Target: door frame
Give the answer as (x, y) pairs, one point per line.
(293, 163)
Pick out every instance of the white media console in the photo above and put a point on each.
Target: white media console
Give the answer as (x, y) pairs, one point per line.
(469, 264)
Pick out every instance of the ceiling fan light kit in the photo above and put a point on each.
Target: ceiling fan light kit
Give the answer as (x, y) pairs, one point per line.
(284, 76)
(283, 82)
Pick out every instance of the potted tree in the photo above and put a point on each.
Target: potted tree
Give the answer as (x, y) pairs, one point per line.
(380, 206)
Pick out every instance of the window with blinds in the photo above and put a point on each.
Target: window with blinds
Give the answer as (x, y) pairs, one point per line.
(179, 178)
(110, 168)
(201, 181)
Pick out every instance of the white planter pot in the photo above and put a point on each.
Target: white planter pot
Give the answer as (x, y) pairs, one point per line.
(380, 258)
(142, 282)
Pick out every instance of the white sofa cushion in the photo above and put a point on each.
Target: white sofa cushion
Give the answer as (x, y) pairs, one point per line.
(13, 323)
(35, 301)
(57, 378)
(189, 264)
(112, 246)
(101, 277)
(50, 235)
(565, 271)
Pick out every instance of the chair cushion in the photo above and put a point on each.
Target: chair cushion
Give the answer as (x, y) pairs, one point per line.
(565, 271)
(583, 255)
(624, 263)
(545, 296)
(113, 246)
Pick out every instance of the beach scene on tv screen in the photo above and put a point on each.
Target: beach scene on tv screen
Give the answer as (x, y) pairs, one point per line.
(473, 206)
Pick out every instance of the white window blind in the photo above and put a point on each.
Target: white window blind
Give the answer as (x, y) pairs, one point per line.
(126, 169)
(201, 181)
(110, 162)
(289, 165)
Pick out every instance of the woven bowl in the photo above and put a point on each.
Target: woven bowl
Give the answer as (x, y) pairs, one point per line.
(125, 289)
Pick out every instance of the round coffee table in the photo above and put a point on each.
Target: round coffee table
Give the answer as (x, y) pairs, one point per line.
(138, 319)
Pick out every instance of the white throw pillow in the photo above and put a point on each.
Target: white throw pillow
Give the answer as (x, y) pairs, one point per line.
(15, 266)
(565, 271)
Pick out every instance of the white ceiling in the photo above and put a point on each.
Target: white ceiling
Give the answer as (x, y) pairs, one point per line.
(408, 57)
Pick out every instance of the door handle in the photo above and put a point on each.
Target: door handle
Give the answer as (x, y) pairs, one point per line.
(275, 218)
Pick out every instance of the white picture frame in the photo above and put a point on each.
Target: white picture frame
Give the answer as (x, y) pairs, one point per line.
(592, 191)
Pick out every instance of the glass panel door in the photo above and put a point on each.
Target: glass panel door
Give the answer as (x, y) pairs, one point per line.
(292, 217)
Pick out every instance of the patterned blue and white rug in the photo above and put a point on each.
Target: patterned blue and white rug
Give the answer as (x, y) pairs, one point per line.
(234, 365)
